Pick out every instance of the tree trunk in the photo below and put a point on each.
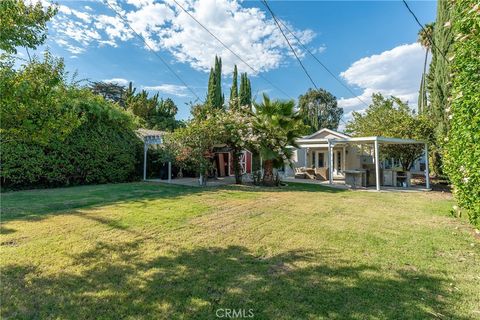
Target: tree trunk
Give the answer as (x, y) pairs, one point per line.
(268, 178)
(236, 166)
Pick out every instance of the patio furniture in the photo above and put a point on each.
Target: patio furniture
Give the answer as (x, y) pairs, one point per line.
(355, 178)
(310, 173)
(299, 173)
(321, 173)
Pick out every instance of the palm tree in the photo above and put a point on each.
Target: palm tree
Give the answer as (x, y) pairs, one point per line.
(278, 125)
(425, 39)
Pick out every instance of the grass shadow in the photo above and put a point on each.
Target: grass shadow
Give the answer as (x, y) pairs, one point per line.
(39, 203)
(118, 282)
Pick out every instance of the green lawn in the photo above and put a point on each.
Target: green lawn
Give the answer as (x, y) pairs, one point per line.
(153, 251)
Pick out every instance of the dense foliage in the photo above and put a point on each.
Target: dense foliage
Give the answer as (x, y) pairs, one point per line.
(319, 109)
(34, 102)
(462, 150)
(23, 24)
(53, 133)
(391, 117)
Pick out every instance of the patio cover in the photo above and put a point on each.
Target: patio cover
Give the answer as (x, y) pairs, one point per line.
(375, 140)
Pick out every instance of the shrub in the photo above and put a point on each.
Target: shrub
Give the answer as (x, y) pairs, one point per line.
(462, 156)
(102, 148)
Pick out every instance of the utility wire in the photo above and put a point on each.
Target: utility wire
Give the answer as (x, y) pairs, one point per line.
(151, 49)
(288, 42)
(423, 29)
(229, 49)
(322, 64)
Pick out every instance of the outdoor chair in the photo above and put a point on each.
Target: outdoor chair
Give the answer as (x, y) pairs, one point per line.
(300, 173)
(321, 173)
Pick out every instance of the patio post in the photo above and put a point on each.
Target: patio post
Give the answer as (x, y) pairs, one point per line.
(306, 156)
(427, 169)
(377, 166)
(169, 171)
(330, 162)
(145, 148)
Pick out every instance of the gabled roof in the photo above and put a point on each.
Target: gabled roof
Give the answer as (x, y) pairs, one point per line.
(328, 131)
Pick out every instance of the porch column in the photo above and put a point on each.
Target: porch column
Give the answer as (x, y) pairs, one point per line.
(145, 148)
(261, 166)
(306, 157)
(427, 169)
(330, 163)
(377, 166)
(169, 172)
(229, 159)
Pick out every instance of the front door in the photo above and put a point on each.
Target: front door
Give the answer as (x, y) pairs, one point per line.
(321, 159)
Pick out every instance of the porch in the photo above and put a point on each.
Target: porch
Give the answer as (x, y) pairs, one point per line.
(353, 162)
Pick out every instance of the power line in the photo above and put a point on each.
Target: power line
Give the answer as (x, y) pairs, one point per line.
(423, 29)
(322, 64)
(288, 42)
(151, 49)
(233, 52)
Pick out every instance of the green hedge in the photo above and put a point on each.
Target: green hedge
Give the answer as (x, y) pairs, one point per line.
(462, 157)
(102, 149)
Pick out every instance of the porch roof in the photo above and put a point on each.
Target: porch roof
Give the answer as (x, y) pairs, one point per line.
(313, 143)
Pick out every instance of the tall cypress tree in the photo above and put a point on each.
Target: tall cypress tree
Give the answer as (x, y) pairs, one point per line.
(215, 98)
(245, 90)
(438, 81)
(234, 90)
(211, 89)
(219, 100)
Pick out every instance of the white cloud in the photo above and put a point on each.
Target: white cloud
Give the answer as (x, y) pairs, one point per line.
(394, 72)
(320, 49)
(172, 89)
(250, 32)
(119, 81)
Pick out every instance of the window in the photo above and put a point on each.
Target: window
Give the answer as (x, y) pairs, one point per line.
(321, 163)
(339, 161)
(313, 159)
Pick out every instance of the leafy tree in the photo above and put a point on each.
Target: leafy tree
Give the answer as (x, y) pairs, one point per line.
(23, 25)
(319, 109)
(34, 104)
(109, 91)
(192, 145)
(462, 149)
(276, 126)
(391, 117)
(425, 36)
(156, 113)
(234, 102)
(237, 133)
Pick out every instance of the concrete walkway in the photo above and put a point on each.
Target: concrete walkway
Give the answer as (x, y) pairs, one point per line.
(340, 184)
(193, 182)
(337, 184)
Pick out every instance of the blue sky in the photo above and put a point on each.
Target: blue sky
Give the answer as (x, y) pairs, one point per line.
(370, 45)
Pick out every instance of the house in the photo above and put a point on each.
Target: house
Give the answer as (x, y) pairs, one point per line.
(336, 157)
